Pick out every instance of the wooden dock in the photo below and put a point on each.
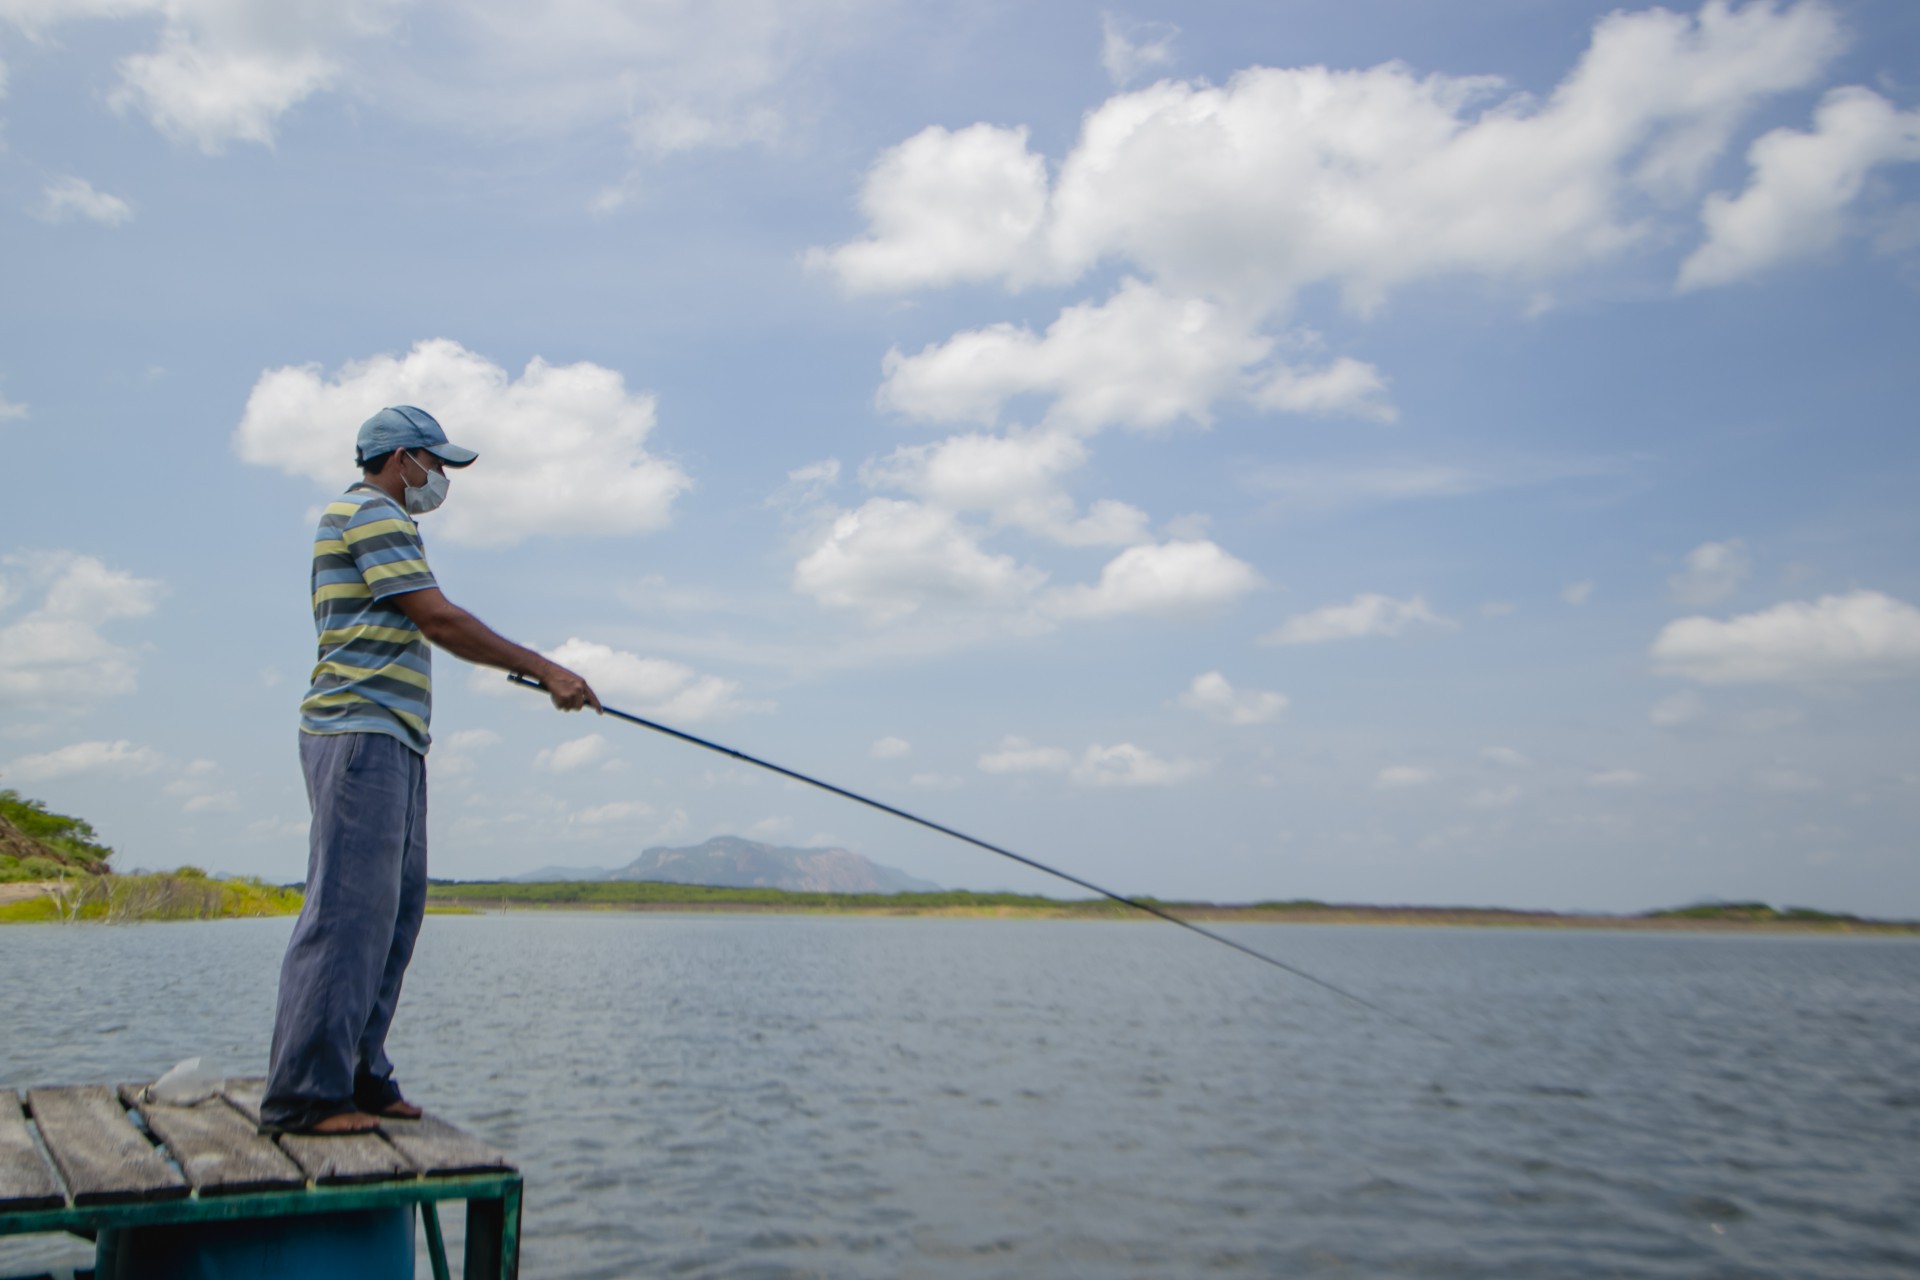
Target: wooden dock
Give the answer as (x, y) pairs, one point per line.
(93, 1158)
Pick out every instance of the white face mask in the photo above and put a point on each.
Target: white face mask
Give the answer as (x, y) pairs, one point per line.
(422, 498)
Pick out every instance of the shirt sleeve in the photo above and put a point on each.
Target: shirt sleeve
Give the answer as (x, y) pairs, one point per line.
(386, 549)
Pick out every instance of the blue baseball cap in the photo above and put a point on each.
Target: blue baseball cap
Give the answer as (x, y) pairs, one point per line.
(402, 426)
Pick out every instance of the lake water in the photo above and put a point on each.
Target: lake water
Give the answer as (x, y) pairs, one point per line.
(764, 1096)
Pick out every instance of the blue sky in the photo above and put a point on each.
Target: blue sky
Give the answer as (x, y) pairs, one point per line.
(1370, 451)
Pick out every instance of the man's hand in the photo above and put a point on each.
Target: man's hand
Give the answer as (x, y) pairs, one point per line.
(568, 691)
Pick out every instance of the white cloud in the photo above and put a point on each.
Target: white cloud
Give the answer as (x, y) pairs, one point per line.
(68, 198)
(1320, 487)
(1014, 479)
(944, 207)
(1796, 201)
(1365, 180)
(1609, 778)
(1125, 765)
(1129, 49)
(212, 802)
(1164, 578)
(773, 828)
(618, 811)
(891, 558)
(937, 781)
(221, 71)
(1505, 757)
(655, 687)
(119, 757)
(1861, 635)
(10, 410)
(1714, 571)
(470, 740)
(213, 96)
(195, 783)
(198, 789)
(1577, 593)
(890, 749)
(1367, 614)
(1495, 797)
(1145, 359)
(1016, 755)
(1395, 777)
(1217, 206)
(807, 485)
(562, 448)
(1212, 696)
(576, 753)
(1677, 709)
(672, 76)
(55, 653)
(1346, 387)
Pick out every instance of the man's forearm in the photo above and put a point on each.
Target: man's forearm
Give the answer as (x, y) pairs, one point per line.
(465, 636)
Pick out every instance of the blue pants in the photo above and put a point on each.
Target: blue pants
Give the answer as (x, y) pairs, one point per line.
(366, 894)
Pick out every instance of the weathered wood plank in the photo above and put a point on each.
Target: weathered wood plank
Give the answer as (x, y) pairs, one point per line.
(357, 1157)
(438, 1150)
(244, 1096)
(216, 1147)
(360, 1157)
(104, 1159)
(25, 1180)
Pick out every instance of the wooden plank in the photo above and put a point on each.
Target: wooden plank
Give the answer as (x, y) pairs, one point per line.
(25, 1180)
(104, 1159)
(244, 1095)
(359, 1157)
(216, 1147)
(438, 1150)
(356, 1157)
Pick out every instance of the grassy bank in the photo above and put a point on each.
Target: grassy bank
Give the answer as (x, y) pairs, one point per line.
(183, 895)
(636, 895)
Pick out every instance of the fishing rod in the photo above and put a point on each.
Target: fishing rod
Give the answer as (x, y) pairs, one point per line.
(1136, 903)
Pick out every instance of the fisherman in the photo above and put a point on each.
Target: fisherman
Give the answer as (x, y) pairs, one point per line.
(363, 747)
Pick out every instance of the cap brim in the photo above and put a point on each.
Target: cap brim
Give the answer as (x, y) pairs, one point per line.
(452, 454)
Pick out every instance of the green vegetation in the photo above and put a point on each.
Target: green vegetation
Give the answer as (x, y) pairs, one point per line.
(123, 899)
(38, 844)
(649, 893)
(1756, 912)
(646, 895)
(40, 847)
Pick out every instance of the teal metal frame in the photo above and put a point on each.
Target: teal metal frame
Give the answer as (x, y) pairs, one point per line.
(493, 1215)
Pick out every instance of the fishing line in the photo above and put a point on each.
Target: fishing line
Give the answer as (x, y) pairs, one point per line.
(1070, 878)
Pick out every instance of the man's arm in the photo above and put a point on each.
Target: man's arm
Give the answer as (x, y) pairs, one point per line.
(447, 626)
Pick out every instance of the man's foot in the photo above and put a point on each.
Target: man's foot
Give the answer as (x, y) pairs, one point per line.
(381, 1097)
(343, 1123)
(339, 1124)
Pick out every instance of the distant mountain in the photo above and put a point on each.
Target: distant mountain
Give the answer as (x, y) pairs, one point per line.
(730, 862)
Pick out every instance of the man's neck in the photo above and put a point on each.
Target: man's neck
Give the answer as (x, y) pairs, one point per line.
(390, 483)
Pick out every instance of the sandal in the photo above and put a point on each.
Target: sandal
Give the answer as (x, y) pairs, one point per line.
(381, 1098)
(341, 1124)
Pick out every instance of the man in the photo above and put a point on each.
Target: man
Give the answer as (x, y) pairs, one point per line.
(363, 746)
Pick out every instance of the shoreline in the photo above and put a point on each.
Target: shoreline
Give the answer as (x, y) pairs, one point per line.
(1443, 917)
(162, 898)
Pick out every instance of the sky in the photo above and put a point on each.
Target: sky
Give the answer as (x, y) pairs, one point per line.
(1370, 451)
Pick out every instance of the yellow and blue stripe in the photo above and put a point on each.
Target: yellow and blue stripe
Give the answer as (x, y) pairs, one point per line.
(375, 669)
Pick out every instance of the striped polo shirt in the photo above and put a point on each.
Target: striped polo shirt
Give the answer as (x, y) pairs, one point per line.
(375, 673)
